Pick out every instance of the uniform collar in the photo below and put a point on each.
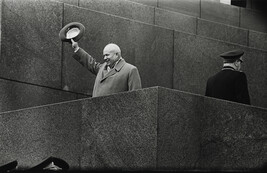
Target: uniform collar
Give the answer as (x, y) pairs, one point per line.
(228, 68)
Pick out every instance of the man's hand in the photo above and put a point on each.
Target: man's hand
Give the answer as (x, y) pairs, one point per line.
(75, 45)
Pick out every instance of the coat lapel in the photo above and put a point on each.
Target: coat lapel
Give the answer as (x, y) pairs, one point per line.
(116, 69)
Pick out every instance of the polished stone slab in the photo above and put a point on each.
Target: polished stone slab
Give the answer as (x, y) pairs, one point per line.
(121, 8)
(233, 135)
(152, 49)
(189, 7)
(145, 46)
(154, 128)
(120, 131)
(222, 32)
(31, 135)
(253, 20)
(257, 40)
(31, 51)
(179, 129)
(255, 68)
(71, 2)
(153, 3)
(218, 12)
(197, 58)
(16, 95)
(175, 21)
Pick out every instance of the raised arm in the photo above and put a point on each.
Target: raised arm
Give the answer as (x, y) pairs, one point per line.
(85, 59)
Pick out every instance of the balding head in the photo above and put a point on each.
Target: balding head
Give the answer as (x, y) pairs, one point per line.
(112, 48)
(111, 54)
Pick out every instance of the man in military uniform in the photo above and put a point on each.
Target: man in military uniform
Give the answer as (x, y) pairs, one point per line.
(230, 83)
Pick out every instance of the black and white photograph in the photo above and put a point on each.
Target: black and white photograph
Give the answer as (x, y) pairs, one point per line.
(133, 86)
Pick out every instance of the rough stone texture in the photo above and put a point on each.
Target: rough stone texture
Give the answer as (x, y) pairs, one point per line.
(233, 135)
(31, 51)
(179, 131)
(154, 128)
(153, 54)
(153, 3)
(31, 135)
(219, 12)
(15, 95)
(253, 20)
(222, 32)
(121, 8)
(148, 47)
(255, 68)
(257, 40)
(197, 58)
(189, 7)
(120, 131)
(71, 2)
(175, 21)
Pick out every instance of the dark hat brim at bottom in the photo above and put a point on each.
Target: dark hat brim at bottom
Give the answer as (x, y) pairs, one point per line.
(66, 28)
(57, 161)
(9, 166)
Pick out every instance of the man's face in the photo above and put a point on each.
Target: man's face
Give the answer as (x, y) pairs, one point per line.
(110, 56)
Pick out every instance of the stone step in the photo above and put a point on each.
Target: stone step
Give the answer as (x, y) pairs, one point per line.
(154, 128)
(16, 95)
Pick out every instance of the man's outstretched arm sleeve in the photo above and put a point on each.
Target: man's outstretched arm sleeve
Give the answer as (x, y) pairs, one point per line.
(87, 61)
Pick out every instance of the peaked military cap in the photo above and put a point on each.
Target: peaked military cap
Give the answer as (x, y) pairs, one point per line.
(51, 164)
(232, 55)
(8, 167)
(73, 30)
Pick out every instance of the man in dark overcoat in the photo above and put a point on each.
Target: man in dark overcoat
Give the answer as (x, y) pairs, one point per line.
(230, 83)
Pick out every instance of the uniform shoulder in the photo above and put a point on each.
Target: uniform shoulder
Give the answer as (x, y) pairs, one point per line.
(242, 74)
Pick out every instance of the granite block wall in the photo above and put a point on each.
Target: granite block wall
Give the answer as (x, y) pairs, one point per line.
(189, 7)
(258, 40)
(233, 135)
(71, 2)
(16, 95)
(146, 2)
(196, 58)
(30, 49)
(31, 52)
(154, 128)
(32, 135)
(219, 12)
(121, 8)
(120, 131)
(175, 21)
(223, 32)
(179, 129)
(253, 20)
(148, 47)
(196, 132)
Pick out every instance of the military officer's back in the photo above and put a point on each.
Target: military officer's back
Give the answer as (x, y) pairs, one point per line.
(230, 83)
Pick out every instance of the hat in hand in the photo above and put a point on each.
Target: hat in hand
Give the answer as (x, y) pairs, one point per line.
(73, 30)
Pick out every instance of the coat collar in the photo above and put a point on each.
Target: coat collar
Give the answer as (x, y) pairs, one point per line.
(116, 69)
(228, 68)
